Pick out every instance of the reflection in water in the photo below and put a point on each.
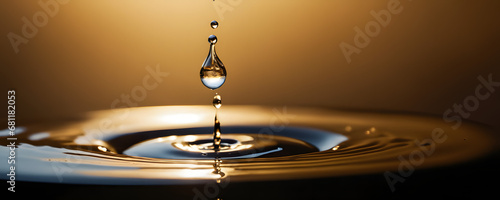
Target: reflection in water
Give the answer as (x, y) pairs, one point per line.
(236, 145)
(103, 149)
(223, 180)
(217, 103)
(315, 143)
(217, 168)
(39, 136)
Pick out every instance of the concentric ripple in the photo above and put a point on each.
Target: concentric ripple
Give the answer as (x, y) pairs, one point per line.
(172, 145)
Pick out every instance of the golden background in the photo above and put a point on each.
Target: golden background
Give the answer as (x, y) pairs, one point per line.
(278, 52)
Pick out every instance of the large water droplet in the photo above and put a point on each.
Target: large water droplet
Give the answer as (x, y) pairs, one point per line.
(213, 72)
(214, 24)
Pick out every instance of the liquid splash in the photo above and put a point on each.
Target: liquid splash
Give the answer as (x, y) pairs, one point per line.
(259, 144)
(217, 103)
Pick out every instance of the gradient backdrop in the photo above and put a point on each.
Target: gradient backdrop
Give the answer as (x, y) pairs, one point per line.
(77, 56)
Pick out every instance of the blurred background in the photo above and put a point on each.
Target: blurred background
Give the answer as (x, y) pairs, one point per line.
(66, 57)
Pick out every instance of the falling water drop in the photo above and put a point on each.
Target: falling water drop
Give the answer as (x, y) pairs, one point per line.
(214, 24)
(213, 76)
(217, 102)
(212, 39)
(213, 72)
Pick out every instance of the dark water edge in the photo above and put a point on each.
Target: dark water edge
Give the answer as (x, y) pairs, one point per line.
(473, 179)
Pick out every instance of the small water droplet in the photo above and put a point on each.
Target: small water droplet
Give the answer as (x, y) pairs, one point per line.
(214, 24)
(217, 102)
(212, 39)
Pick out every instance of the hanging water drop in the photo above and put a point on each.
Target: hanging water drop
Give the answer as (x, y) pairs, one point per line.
(214, 24)
(213, 72)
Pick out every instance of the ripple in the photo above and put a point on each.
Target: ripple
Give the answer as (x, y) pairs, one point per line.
(153, 145)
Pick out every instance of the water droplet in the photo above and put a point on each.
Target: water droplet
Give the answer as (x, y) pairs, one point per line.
(212, 39)
(213, 72)
(217, 102)
(214, 24)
